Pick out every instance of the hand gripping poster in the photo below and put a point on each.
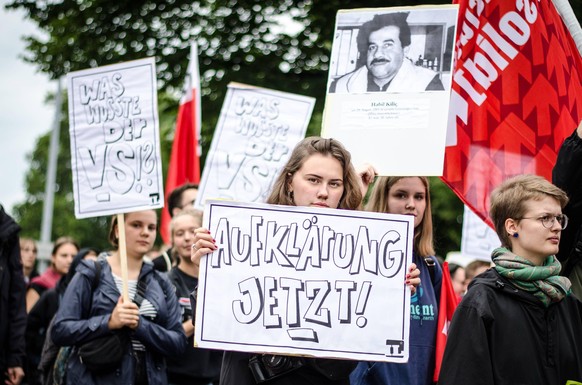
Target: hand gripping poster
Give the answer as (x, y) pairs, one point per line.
(115, 147)
(255, 135)
(305, 281)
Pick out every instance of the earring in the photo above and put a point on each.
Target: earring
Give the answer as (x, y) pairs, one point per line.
(291, 196)
(515, 235)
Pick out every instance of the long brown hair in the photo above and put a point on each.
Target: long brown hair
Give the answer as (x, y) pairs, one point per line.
(378, 202)
(351, 198)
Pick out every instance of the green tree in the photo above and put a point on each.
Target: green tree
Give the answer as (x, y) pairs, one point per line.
(282, 44)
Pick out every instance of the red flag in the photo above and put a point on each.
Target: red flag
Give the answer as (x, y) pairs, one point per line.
(185, 159)
(448, 304)
(516, 94)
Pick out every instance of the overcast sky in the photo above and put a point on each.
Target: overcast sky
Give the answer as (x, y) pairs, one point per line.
(24, 116)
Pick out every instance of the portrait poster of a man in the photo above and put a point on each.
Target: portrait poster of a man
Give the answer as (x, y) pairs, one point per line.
(390, 78)
(395, 51)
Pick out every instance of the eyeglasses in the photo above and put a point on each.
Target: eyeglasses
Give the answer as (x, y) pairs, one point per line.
(548, 220)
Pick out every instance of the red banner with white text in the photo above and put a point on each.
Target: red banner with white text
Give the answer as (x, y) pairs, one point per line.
(516, 95)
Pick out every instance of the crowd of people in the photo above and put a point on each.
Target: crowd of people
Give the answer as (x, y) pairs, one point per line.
(517, 322)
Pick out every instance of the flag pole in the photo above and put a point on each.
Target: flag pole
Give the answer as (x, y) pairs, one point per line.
(565, 10)
(123, 257)
(49, 188)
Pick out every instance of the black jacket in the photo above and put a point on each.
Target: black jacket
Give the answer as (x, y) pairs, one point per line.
(196, 365)
(567, 174)
(501, 335)
(12, 296)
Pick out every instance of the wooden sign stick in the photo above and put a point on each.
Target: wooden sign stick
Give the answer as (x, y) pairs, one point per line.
(123, 257)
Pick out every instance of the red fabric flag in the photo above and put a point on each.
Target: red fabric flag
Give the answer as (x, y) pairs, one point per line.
(516, 95)
(447, 306)
(185, 159)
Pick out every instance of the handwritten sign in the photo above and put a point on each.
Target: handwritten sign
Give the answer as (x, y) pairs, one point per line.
(406, 115)
(313, 282)
(256, 133)
(115, 148)
(478, 239)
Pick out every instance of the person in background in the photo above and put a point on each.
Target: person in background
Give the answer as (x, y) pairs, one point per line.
(518, 322)
(43, 312)
(567, 174)
(28, 254)
(196, 366)
(62, 255)
(475, 268)
(181, 198)
(458, 279)
(410, 196)
(154, 328)
(12, 303)
(319, 173)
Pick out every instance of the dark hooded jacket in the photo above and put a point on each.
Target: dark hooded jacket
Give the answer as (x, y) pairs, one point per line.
(12, 296)
(501, 335)
(567, 175)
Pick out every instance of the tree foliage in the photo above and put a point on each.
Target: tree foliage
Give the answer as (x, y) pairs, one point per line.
(282, 44)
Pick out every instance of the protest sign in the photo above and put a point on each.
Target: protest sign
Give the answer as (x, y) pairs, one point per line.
(256, 133)
(115, 148)
(389, 80)
(478, 239)
(306, 281)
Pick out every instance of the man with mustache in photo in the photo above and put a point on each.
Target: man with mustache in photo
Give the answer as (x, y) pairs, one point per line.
(383, 43)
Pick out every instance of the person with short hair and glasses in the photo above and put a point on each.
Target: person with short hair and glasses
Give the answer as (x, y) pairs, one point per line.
(519, 322)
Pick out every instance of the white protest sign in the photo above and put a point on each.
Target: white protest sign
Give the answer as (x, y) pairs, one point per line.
(305, 281)
(388, 95)
(115, 147)
(478, 239)
(255, 135)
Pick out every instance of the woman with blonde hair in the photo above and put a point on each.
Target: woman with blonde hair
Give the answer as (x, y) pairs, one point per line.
(410, 196)
(28, 254)
(518, 322)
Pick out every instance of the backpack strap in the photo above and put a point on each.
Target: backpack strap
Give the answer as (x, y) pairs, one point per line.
(430, 263)
(141, 289)
(97, 276)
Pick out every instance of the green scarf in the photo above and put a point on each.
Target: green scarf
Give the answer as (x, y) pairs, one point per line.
(543, 282)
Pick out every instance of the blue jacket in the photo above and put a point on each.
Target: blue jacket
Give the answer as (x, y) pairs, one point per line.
(82, 317)
(423, 326)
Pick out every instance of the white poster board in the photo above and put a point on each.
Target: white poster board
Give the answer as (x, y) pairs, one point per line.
(383, 127)
(115, 147)
(478, 239)
(305, 281)
(255, 135)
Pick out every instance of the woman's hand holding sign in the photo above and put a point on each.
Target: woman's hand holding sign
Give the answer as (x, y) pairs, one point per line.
(203, 244)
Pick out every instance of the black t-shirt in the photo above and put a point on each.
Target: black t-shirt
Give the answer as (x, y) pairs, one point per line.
(196, 365)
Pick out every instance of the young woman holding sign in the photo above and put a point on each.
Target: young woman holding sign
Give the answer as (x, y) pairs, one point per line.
(319, 173)
(410, 196)
(92, 307)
